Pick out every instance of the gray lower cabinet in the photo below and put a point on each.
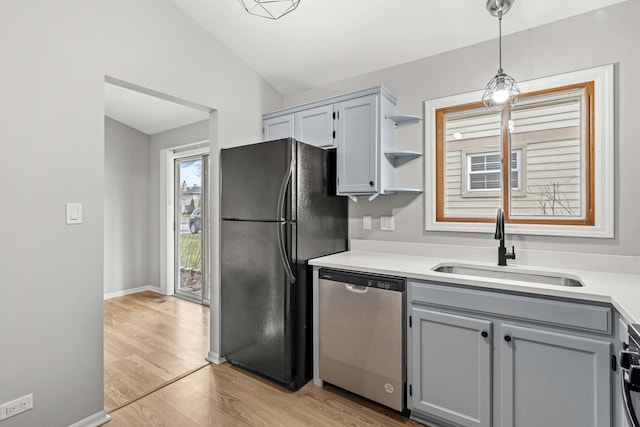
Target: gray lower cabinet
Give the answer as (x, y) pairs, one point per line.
(553, 379)
(452, 367)
(481, 358)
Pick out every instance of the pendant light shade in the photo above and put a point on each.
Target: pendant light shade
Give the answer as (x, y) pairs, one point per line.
(502, 88)
(272, 9)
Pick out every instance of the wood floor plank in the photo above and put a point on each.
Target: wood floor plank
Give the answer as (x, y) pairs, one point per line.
(228, 396)
(148, 343)
(150, 339)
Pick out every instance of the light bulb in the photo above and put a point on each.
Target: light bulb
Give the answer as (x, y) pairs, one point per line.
(457, 135)
(500, 96)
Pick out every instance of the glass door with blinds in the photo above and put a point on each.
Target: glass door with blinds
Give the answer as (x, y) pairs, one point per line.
(190, 219)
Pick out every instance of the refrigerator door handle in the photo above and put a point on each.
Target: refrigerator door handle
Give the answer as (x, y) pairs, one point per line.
(283, 254)
(283, 192)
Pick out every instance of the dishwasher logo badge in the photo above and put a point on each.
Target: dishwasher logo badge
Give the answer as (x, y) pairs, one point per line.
(388, 388)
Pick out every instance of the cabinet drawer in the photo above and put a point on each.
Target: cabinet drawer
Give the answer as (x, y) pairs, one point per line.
(587, 317)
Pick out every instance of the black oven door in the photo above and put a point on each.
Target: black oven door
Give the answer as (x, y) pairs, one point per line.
(630, 376)
(631, 398)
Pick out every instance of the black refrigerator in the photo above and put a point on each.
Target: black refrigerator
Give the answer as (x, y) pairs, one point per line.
(278, 210)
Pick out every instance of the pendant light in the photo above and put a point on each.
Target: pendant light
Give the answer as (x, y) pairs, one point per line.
(502, 89)
(272, 9)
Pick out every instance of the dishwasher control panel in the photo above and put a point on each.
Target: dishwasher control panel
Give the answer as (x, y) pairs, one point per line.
(381, 282)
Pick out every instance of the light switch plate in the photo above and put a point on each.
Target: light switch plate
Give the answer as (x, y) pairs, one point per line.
(366, 222)
(74, 213)
(387, 223)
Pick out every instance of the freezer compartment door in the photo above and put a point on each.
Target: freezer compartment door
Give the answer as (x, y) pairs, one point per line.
(258, 181)
(256, 297)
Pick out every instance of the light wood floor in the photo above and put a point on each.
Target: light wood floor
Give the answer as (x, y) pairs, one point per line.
(149, 340)
(148, 344)
(228, 396)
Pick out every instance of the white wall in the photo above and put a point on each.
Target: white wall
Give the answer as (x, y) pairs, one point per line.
(55, 57)
(604, 36)
(126, 207)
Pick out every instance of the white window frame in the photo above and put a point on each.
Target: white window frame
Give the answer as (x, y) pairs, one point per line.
(603, 157)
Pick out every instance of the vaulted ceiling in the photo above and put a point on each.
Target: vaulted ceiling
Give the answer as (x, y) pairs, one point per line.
(324, 41)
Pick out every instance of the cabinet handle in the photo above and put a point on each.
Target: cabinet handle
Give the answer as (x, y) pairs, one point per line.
(507, 338)
(484, 334)
(371, 183)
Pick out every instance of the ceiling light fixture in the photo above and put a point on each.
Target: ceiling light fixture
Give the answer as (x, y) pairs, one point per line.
(502, 89)
(272, 9)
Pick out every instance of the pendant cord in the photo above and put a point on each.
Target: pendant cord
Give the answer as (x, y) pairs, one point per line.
(500, 40)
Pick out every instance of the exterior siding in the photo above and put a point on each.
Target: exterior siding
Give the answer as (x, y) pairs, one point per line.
(549, 137)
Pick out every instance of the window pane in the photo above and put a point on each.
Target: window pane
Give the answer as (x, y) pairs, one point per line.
(485, 181)
(472, 163)
(515, 184)
(514, 161)
(549, 127)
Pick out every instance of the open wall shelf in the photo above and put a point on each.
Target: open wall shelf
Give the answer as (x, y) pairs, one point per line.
(402, 190)
(403, 119)
(392, 155)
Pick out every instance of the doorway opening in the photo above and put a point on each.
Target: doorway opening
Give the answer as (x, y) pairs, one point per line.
(151, 338)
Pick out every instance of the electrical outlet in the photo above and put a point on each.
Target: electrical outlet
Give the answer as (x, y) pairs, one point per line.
(16, 407)
(387, 223)
(366, 222)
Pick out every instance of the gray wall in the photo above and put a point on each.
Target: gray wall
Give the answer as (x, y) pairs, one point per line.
(126, 207)
(55, 57)
(605, 36)
(177, 137)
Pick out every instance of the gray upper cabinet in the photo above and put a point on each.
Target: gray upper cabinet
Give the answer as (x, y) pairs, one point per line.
(452, 366)
(315, 126)
(362, 126)
(553, 379)
(357, 121)
(278, 127)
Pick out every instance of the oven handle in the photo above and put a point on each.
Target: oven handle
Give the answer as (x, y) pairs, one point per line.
(626, 396)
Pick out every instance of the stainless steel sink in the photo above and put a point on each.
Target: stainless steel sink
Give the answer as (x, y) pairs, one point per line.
(546, 278)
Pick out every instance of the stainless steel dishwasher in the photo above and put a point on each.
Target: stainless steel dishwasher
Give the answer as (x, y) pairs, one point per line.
(362, 335)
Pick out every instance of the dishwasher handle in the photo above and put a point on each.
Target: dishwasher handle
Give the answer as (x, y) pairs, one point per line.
(356, 289)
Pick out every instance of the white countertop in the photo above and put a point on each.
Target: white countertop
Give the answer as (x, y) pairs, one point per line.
(620, 290)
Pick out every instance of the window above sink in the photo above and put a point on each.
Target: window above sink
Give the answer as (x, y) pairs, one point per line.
(558, 144)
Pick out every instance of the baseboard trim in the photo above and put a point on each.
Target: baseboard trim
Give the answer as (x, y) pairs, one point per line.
(132, 291)
(94, 420)
(215, 358)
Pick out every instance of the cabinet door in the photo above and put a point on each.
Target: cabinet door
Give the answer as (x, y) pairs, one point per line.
(553, 379)
(278, 127)
(451, 367)
(315, 126)
(356, 141)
